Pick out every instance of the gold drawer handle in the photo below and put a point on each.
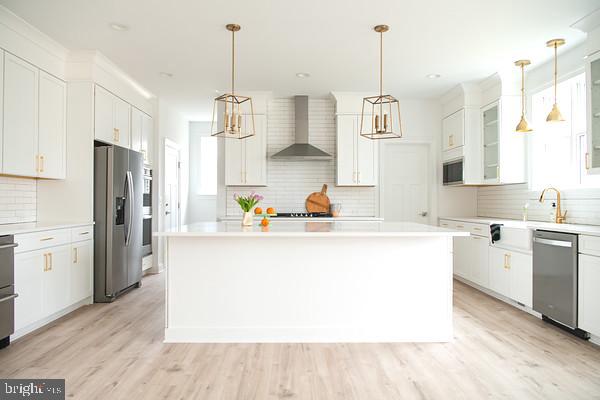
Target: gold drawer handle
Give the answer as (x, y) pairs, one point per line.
(460, 226)
(46, 239)
(84, 233)
(476, 229)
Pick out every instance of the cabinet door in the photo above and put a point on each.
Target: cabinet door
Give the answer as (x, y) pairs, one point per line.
(462, 257)
(589, 295)
(347, 126)
(28, 285)
(593, 115)
(499, 272)
(234, 162)
(20, 117)
(81, 271)
(255, 169)
(55, 281)
(147, 138)
(453, 130)
(521, 278)
(137, 126)
(52, 127)
(491, 143)
(104, 122)
(479, 247)
(122, 122)
(366, 156)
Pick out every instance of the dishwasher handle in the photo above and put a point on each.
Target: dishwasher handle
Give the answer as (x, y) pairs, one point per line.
(551, 242)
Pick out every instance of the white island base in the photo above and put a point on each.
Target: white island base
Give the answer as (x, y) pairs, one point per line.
(309, 282)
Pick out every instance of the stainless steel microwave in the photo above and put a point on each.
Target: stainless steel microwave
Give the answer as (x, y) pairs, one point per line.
(453, 172)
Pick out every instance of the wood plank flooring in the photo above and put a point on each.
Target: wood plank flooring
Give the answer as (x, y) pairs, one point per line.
(115, 351)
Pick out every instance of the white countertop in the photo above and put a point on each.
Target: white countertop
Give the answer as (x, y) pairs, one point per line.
(312, 228)
(28, 227)
(593, 230)
(328, 219)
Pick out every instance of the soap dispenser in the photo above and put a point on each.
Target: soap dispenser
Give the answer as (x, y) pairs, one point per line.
(552, 215)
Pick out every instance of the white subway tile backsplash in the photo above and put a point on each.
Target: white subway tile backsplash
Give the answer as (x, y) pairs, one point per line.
(290, 182)
(18, 200)
(582, 206)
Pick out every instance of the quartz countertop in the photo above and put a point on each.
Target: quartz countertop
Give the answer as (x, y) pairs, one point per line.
(311, 228)
(593, 230)
(29, 227)
(328, 219)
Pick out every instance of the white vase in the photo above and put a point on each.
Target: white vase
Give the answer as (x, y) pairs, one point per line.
(247, 219)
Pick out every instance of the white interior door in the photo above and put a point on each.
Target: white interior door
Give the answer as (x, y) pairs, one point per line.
(171, 194)
(405, 183)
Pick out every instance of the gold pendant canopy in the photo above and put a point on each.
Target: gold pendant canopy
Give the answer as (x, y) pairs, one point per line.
(380, 116)
(233, 113)
(555, 115)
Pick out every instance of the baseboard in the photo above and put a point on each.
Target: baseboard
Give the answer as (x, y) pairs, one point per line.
(45, 321)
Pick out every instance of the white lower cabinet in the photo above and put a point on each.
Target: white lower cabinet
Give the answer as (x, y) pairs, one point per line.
(589, 294)
(511, 275)
(81, 270)
(52, 275)
(479, 250)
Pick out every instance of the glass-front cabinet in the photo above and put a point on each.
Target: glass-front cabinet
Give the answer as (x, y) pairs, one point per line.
(593, 91)
(491, 143)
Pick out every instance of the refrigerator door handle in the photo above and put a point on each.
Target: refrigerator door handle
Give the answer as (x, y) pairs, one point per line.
(130, 200)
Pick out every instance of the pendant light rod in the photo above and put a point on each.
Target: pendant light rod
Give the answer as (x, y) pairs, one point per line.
(233, 28)
(381, 29)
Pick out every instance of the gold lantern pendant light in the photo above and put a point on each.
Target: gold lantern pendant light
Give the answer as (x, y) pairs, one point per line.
(237, 112)
(555, 115)
(523, 126)
(383, 110)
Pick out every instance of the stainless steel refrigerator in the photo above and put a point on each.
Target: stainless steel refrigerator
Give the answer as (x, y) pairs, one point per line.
(118, 216)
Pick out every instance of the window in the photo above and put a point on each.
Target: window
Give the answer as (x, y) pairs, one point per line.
(558, 149)
(208, 166)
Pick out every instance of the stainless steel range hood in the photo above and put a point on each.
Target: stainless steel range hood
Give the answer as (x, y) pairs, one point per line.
(301, 150)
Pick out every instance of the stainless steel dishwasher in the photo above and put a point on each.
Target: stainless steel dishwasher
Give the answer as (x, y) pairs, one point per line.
(555, 277)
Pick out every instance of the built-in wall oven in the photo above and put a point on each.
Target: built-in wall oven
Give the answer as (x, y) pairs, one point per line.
(453, 172)
(147, 223)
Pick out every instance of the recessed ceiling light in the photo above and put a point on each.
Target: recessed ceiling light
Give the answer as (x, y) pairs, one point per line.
(118, 27)
(433, 76)
(303, 75)
(166, 74)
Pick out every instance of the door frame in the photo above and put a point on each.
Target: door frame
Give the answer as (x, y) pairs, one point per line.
(428, 146)
(169, 144)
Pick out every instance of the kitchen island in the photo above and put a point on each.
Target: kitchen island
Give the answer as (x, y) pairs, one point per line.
(309, 282)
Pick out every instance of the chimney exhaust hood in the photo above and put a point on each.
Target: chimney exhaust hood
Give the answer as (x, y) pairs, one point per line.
(301, 150)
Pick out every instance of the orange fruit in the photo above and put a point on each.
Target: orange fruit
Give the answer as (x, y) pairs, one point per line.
(264, 222)
(270, 210)
(258, 210)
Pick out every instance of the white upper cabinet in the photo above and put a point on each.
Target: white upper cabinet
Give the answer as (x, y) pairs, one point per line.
(52, 127)
(593, 114)
(246, 159)
(503, 148)
(20, 133)
(453, 130)
(136, 129)
(112, 118)
(356, 156)
(147, 138)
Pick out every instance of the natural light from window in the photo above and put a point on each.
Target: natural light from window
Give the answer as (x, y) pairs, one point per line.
(208, 166)
(558, 149)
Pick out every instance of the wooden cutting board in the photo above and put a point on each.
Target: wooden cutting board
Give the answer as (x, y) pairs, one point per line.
(318, 202)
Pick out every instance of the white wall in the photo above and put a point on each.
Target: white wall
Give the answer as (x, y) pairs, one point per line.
(173, 126)
(200, 207)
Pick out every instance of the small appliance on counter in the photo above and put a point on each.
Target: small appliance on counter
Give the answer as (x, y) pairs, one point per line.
(7, 289)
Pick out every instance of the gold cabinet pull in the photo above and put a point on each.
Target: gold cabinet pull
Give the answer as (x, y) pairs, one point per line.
(451, 140)
(116, 134)
(75, 255)
(587, 160)
(41, 163)
(45, 262)
(46, 239)
(84, 233)
(507, 261)
(37, 163)
(50, 263)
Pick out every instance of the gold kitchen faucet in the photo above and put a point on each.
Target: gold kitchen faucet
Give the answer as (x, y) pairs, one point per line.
(560, 217)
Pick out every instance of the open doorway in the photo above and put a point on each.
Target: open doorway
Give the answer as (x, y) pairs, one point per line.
(172, 185)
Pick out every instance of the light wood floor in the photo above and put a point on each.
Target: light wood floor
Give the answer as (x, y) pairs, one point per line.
(115, 351)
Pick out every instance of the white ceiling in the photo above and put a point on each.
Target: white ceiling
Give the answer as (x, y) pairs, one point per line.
(463, 40)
